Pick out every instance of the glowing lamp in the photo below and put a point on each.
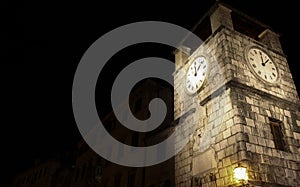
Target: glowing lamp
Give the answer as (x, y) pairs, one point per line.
(240, 173)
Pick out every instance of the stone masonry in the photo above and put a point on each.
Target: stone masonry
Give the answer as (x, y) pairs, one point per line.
(233, 111)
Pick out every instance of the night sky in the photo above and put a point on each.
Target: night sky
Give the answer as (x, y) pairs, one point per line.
(42, 43)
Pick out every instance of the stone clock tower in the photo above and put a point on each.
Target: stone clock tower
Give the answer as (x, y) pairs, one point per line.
(245, 105)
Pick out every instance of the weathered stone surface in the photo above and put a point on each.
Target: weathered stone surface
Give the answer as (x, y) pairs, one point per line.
(203, 162)
(237, 117)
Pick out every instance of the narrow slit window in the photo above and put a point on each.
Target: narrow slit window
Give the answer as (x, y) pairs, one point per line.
(276, 131)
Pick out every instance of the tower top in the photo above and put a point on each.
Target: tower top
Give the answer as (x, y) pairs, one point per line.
(222, 15)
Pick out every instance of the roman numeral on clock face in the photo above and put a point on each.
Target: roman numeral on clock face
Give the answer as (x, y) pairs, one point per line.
(262, 64)
(196, 74)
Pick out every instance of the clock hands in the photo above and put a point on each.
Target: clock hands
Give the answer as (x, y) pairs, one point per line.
(195, 74)
(265, 62)
(262, 61)
(198, 68)
(263, 65)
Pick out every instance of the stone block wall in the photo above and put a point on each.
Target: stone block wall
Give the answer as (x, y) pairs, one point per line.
(232, 119)
(212, 119)
(236, 44)
(265, 163)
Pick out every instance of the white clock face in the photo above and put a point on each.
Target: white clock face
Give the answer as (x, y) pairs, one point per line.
(196, 74)
(262, 65)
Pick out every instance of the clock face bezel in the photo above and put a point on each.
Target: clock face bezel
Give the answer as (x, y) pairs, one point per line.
(192, 61)
(247, 51)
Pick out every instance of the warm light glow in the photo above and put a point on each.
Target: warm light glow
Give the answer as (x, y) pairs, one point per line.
(240, 173)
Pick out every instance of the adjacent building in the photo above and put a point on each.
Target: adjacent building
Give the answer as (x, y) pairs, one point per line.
(90, 170)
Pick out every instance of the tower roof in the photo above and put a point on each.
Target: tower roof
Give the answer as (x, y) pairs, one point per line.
(242, 23)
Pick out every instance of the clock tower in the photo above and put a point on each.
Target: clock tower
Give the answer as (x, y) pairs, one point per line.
(245, 105)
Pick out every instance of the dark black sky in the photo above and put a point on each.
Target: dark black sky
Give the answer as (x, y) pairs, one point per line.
(42, 43)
